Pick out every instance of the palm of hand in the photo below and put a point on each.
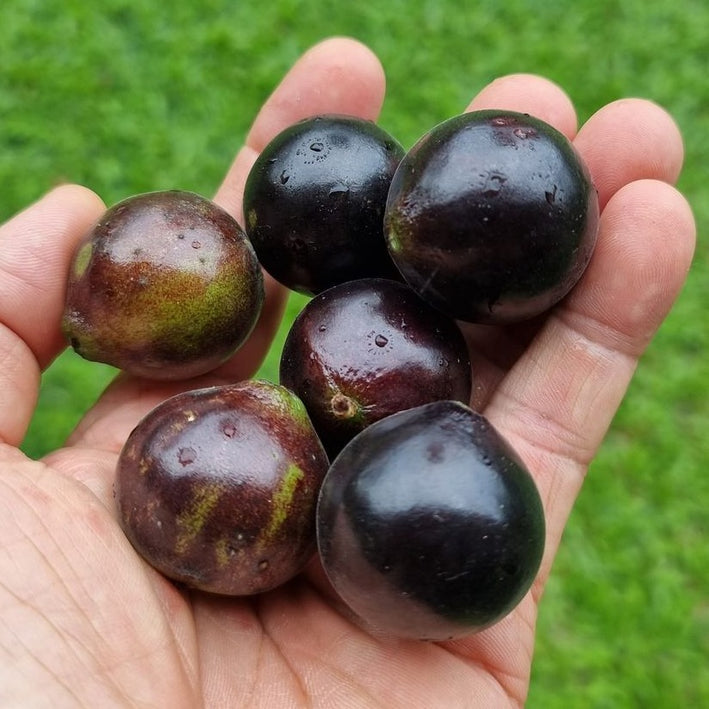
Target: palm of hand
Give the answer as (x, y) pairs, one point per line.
(119, 630)
(85, 621)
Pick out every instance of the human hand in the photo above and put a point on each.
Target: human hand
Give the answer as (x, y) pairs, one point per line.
(85, 622)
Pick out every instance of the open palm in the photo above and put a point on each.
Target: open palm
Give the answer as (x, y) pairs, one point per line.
(85, 622)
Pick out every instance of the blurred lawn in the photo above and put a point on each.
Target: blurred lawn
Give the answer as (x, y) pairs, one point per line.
(127, 97)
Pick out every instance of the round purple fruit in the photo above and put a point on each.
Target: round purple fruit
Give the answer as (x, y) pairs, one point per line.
(429, 525)
(492, 216)
(314, 202)
(366, 349)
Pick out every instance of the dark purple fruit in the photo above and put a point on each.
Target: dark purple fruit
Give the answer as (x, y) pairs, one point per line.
(165, 285)
(216, 488)
(429, 525)
(492, 216)
(366, 349)
(314, 202)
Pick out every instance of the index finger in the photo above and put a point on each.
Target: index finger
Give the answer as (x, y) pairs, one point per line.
(337, 75)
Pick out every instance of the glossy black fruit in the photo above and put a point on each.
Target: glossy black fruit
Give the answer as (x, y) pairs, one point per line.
(216, 488)
(165, 285)
(429, 525)
(314, 202)
(366, 349)
(492, 216)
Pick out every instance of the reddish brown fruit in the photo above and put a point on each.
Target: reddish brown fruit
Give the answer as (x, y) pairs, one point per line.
(217, 487)
(366, 349)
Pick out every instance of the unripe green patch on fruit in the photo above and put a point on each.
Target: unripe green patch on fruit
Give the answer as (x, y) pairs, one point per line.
(82, 260)
(283, 499)
(192, 520)
(283, 399)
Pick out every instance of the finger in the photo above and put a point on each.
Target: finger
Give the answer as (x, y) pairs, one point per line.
(528, 93)
(627, 140)
(643, 142)
(493, 349)
(556, 403)
(36, 247)
(336, 76)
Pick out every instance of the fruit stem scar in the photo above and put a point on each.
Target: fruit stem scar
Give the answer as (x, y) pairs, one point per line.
(343, 406)
(191, 521)
(283, 497)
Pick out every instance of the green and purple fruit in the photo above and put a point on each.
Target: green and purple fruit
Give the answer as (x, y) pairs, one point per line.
(217, 487)
(492, 216)
(165, 285)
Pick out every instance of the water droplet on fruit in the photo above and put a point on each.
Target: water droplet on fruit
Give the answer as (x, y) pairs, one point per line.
(502, 121)
(381, 341)
(229, 429)
(186, 456)
(493, 185)
(180, 236)
(338, 190)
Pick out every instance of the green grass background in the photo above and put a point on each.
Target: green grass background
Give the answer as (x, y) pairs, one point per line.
(127, 96)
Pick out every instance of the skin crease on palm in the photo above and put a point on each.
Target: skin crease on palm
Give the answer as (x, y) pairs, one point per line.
(85, 622)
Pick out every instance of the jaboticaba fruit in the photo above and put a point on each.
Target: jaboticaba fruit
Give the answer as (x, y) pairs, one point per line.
(217, 487)
(366, 349)
(429, 524)
(492, 216)
(165, 285)
(314, 202)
